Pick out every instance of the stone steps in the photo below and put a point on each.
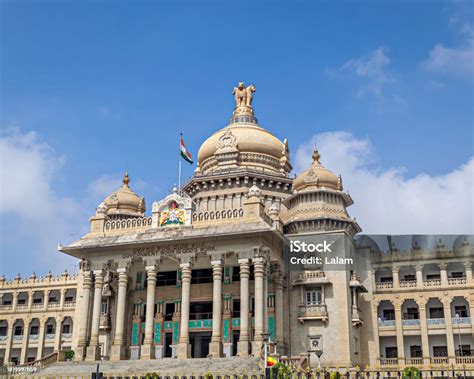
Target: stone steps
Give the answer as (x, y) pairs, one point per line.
(166, 365)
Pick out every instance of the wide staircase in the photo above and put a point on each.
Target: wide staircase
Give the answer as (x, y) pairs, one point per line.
(166, 367)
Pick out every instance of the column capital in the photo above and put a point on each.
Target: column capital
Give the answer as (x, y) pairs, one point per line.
(395, 269)
(468, 264)
(187, 258)
(151, 268)
(122, 270)
(419, 267)
(442, 265)
(99, 278)
(216, 262)
(243, 261)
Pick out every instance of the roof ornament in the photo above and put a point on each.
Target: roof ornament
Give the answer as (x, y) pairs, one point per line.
(243, 111)
(316, 156)
(126, 179)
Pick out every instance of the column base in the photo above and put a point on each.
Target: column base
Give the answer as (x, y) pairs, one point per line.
(93, 353)
(215, 349)
(134, 352)
(257, 348)
(147, 352)
(183, 350)
(159, 351)
(227, 349)
(118, 353)
(79, 353)
(243, 348)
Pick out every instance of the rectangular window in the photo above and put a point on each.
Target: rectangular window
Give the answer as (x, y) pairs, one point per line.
(21, 301)
(461, 311)
(314, 296)
(415, 352)
(409, 277)
(34, 330)
(437, 312)
(412, 314)
(37, 300)
(104, 306)
(3, 331)
(18, 331)
(457, 274)
(7, 302)
(465, 351)
(236, 308)
(169, 311)
(391, 352)
(50, 329)
(386, 279)
(140, 279)
(440, 351)
(388, 314)
(66, 328)
(69, 298)
(433, 276)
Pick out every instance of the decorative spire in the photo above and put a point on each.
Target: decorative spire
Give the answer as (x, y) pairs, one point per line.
(316, 156)
(243, 111)
(126, 179)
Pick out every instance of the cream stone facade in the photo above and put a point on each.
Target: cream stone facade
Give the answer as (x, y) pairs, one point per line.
(208, 273)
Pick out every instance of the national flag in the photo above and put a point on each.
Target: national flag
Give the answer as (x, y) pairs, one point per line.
(271, 361)
(184, 152)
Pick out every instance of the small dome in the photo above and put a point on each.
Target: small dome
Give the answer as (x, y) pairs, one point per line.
(317, 176)
(123, 201)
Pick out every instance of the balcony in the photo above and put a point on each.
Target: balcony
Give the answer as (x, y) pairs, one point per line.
(414, 361)
(388, 361)
(435, 322)
(54, 305)
(439, 360)
(66, 336)
(18, 338)
(411, 322)
(407, 283)
(49, 336)
(21, 307)
(457, 281)
(5, 307)
(465, 360)
(432, 282)
(384, 285)
(311, 277)
(461, 321)
(69, 304)
(312, 312)
(386, 323)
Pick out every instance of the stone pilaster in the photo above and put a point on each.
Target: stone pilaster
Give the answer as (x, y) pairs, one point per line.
(468, 267)
(399, 327)
(83, 322)
(425, 346)
(419, 276)
(279, 312)
(118, 348)
(449, 329)
(42, 330)
(243, 344)
(443, 274)
(259, 272)
(184, 348)
(24, 342)
(8, 346)
(57, 336)
(148, 349)
(93, 350)
(396, 277)
(215, 348)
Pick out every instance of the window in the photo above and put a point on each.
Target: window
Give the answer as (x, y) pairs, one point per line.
(202, 276)
(388, 314)
(440, 351)
(461, 311)
(391, 352)
(3, 331)
(69, 298)
(465, 351)
(386, 279)
(21, 301)
(38, 300)
(104, 306)
(415, 351)
(34, 330)
(140, 281)
(409, 277)
(314, 296)
(18, 330)
(66, 328)
(169, 311)
(457, 274)
(50, 329)
(7, 302)
(411, 314)
(437, 312)
(166, 278)
(236, 308)
(433, 276)
(53, 299)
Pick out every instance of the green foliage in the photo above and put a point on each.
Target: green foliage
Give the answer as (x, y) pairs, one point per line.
(411, 373)
(282, 369)
(151, 375)
(69, 354)
(335, 375)
(208, 375)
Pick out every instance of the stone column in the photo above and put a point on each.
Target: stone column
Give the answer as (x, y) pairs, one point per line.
(375, 357)
(215, 348)
(266, 276)
(46, 299)
(419, 276)
(468, 267)
(30, 300)
(425, 346)
(8, 347)
(443, 273)
(184, 348)
(279, 324)
(118, 349)
(396, 277)
(148, 350)
(84, 318)
(93, 350)
(24, 342)
(57, 336)
(399, 329)
(243, 344)
(42, 331)
(15, 301)
(449, 330)
(259, 269)
(61, 299)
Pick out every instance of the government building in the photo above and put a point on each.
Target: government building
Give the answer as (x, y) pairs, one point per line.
(211, 272)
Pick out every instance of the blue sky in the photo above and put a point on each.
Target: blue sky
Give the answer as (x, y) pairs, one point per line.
(92, 88)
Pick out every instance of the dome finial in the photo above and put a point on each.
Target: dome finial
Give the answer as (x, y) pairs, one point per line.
(316, 155)
(126, 179)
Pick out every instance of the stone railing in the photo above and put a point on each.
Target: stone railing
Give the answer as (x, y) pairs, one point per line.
(435, 321)
(439, 360)
(388, 361)
(33, 337)
(20, 307)
(310, 277)
(383, 285)
(414, 361)
(6, 307)
(407, 283)
(3, 338)
(411, 322)
(432, 282)
(224, 214)
(43, 362)
(66, 335)
(128, 224)
(18, 338)
(69, 304)
(465, 360)
(49, 336)
(312, 312)
(18, 282)
(37, 305)
(461, 320)
(456, 281)
(387, 323)
(55, 304)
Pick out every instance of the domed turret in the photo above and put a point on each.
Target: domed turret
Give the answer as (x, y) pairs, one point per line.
(123, 202)
(317, 176)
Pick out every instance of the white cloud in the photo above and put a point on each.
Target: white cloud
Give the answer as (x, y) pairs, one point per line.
(372, 70)
(388, 202)
(455, 61)
(31, 212)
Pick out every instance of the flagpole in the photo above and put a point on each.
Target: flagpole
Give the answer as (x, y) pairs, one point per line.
(179, 166)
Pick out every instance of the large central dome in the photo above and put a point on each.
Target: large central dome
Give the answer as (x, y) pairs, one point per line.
(243, 143)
